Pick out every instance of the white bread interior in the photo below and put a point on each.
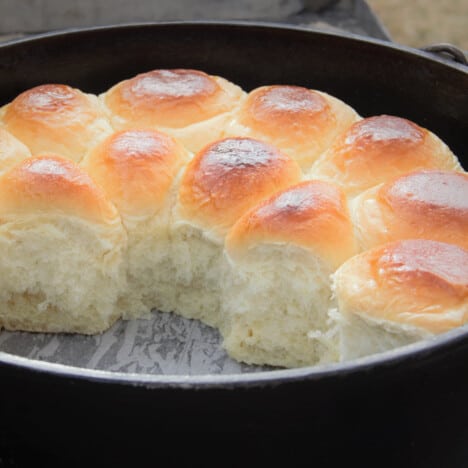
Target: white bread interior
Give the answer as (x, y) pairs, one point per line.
(139, 171)
(360, 336)
(197, 261)
(277, 292)
(271, 303)
(219, 184)
(61, 268)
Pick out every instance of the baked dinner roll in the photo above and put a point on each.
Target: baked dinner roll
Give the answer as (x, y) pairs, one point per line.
(282, 253)
(219, 185)
(56, 118)
(138, 169)
(303, 123)
(62, 241)
(399, 293)
(190, 105)
(12, 151)
(427, 204)
(378, 149)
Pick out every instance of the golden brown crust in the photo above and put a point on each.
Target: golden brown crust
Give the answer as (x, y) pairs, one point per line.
(52, 184)
(379, 148)
(428, 263)
(136, 168)
(50, 101)
(170, 98)
(312, 214)
(393, 134)
(271, 107)
(426, 204)
(231, 175)
(414, 282)
(56, 118)
(438, 193)
(301, 122)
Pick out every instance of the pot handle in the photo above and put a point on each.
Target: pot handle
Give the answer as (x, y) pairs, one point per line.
(449, 51)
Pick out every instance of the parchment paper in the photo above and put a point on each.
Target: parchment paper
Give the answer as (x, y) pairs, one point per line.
(163, 344)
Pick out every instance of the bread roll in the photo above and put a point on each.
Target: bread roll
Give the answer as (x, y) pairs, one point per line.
(303, 123)
(190, 105)
(58, 119)
(425, 204)
(282, 253)
(12, 151)
(138, 169)
(399, 293)
(62, 241)
(377, 149)
(218, 186)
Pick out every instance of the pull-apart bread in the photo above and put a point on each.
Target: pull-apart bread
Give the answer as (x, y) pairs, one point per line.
(58, 119)
(219, 185)
(190, 105)
(379, 148)
(303, 123)
(282, 253)
(425, 204)
(399, 293)
(62, 245)
(303, 232)
(138, 170)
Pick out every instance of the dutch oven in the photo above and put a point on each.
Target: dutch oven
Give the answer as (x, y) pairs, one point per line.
(406, 407)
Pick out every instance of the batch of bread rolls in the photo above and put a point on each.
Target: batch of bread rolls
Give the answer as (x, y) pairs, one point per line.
(303, 232)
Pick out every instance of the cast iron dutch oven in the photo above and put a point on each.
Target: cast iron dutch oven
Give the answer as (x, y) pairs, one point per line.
(407, 407)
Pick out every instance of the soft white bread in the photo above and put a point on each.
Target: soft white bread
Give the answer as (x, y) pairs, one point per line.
(399, 293)
(12, 151)
(58, 119)
(427, 204)
(190, 105)
(138, 170)
(62, 243)
(233, 236)
(301, 122)
(219, 185)
(277, 293)
(377, 149)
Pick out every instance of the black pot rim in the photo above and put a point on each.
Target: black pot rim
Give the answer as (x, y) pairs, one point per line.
(388, 360)
(349, 36)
